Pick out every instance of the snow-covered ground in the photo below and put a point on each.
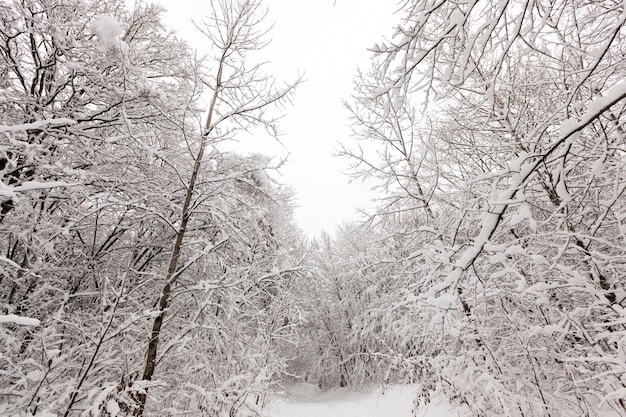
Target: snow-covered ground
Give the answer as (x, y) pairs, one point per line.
(307, 400)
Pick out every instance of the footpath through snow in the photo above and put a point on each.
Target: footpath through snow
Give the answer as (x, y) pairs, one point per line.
(307, 400)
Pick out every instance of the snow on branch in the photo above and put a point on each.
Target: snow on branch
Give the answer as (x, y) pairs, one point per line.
(597, 107)
(9, 262)
(492, 219)
(109, 32)
(62, 121)
(20, 320)
(8, 191)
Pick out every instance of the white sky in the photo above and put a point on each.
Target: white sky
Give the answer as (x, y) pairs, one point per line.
(326, 40)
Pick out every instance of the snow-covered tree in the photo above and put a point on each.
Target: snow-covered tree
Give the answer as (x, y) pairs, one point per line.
(499, 126)
(240, 97)
(347, 304)
(81, 122)
(136, 242)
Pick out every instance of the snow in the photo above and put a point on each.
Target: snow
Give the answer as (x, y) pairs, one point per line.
(614, 94)
(3, 258)
(598, 167)
(113, 408)
(457, 18)
(596, 107)
(443, 301)
(108, 30)
(524, 211)
(307, 400)
(539, 260)
(36, 185)
(21, 320)
(497, 258)
(62, 121)
(8, 191)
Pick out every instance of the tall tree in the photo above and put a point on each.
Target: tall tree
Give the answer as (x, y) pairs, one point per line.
(239, 99)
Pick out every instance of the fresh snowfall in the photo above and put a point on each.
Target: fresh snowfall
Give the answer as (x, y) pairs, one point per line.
(147, 269)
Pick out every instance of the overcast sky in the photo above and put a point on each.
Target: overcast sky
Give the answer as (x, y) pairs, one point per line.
(326, 40)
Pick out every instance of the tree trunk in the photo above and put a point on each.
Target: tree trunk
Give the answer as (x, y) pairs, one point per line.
(171, 276)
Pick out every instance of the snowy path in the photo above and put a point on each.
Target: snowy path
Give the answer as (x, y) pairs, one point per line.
(306, 400)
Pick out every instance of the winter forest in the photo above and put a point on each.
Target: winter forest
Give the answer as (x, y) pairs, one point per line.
(146, 271)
